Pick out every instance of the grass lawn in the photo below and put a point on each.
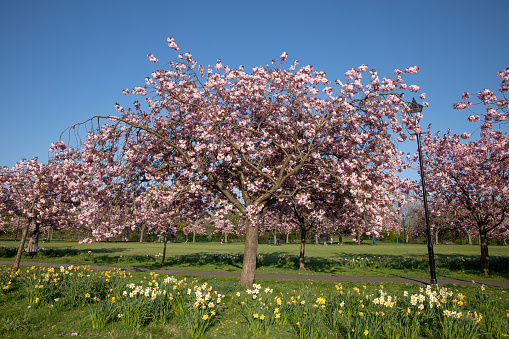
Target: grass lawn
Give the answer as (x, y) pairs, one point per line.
(49, 303)
(383, 259)
(54, 303)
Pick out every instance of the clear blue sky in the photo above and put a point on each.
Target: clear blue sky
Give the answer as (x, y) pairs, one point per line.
(62, 62)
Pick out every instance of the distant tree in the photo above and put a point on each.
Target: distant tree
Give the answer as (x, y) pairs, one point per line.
(469, 180)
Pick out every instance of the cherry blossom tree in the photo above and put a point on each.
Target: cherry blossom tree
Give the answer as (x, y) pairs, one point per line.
(44, 195)
(469, 179)
(242, 135)
(224, 226)
(196, 227)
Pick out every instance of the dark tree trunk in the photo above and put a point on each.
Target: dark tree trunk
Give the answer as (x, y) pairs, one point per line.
(485, 259)
(21, 246)
(302, 249)
(17, 228)
(165, 241)
(249, 262)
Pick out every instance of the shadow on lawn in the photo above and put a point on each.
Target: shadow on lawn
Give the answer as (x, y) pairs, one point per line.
(499, 265)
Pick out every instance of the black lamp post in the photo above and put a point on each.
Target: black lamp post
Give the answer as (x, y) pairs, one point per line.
(414, 109)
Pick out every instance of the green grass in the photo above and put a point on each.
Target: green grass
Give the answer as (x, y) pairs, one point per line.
(21, 317)
(384, 259)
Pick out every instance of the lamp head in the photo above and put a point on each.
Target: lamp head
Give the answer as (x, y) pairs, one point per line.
(414, 108)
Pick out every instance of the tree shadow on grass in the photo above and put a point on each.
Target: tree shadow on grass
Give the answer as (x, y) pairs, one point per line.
(456, 264)
(499, 265)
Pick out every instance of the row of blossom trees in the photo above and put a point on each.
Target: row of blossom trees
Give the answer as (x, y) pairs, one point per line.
(278, 147)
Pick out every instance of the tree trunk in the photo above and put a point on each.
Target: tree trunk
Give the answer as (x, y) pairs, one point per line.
(164, 249)
(302, 249)
(469, 235)
(316, 239)
(406, 237)
(249, 262)
(17, 228)
(194, 236)
(21, 246)
(436, 236)
(287, 238)
(225, 237)
(485, 259)
(142, 230)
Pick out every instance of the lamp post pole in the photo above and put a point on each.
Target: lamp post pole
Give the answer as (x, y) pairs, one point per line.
(414, 109)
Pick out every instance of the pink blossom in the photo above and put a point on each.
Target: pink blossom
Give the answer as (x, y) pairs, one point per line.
(172, 44)
(283, 56)
(461, 105)
(363, 68)
(412, 70)
(152, 58)
(465, 95)
(414, 88)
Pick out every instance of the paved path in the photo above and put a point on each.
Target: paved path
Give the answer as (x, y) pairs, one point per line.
(504, 283)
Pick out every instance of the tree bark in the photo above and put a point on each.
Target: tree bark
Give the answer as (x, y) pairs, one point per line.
(21, 246)
(287, 238)
(485, 259)
(165, 240)
(17, 228)
(194, 236)
(142, 230)
(302, 249)
(249, 262)
(436, 236)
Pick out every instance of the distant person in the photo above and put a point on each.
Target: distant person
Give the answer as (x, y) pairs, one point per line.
(374, 240)
(340, 241)
(222, 239)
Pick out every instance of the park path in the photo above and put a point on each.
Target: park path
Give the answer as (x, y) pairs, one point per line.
(336, 278)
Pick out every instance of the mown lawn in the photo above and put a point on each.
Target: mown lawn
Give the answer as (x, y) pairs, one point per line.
(383, 259)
